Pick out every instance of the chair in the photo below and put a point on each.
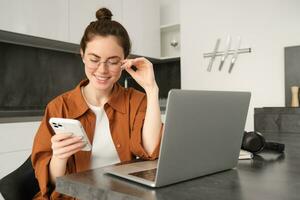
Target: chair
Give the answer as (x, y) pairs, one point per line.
(20, 184)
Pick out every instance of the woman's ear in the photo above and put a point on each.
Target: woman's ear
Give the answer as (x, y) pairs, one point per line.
(81, 53)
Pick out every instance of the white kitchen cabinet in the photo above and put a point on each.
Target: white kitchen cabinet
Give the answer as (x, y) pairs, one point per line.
(170, 40)
(83, 12)
(142, 20)
(12, 160)
(16, 141)
(47, 19)
(66, 20)
(170, 28)
(139, 17)
(163, 118)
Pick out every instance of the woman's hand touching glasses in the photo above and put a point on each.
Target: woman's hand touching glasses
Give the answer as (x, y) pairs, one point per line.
(143, 75)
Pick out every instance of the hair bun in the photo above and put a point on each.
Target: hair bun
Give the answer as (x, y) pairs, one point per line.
(103, 14)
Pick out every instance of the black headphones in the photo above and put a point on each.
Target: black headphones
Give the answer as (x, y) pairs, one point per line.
(255, 143)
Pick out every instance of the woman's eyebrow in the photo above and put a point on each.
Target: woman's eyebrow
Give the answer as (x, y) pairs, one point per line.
(92, 54)
(113, 57)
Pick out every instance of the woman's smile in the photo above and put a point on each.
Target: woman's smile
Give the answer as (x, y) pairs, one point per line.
(101, 78)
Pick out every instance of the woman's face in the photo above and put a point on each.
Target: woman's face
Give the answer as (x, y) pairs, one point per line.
(102, 59)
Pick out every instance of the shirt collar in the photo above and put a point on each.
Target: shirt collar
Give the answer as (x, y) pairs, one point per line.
(78, 105)
(118, 98)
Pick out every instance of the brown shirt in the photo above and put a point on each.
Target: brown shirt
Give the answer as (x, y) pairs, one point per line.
(126, 112)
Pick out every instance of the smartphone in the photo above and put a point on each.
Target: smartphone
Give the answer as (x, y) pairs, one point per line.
(63, 125)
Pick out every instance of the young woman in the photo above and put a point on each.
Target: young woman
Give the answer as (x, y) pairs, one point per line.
(121, 124)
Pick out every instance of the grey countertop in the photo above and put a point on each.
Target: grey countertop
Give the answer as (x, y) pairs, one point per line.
(12, 116)
(20, 119)
(267, 176)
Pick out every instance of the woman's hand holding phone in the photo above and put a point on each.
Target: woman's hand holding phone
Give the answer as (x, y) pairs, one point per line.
(69, 138)
(64, 145)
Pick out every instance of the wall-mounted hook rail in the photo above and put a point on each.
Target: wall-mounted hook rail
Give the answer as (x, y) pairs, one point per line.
(225, 54)
(230, 52)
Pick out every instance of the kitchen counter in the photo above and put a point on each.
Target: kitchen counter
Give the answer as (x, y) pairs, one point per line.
(20, 119)
(267, 176)
(12, 116)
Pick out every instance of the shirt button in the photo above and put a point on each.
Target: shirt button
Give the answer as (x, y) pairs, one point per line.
(118, 145)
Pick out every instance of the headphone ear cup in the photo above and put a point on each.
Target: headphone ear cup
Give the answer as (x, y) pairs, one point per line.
(253, 142)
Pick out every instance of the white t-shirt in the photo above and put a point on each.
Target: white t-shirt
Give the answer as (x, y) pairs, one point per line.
(103, 149)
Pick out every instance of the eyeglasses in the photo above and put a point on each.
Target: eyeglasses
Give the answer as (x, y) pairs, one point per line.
(113, 64)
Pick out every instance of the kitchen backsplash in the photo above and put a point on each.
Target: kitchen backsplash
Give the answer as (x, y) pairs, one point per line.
(167, 75)
(32, 75)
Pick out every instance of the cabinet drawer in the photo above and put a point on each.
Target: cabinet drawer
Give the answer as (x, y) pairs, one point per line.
(289, 123)
(11, 161)
(277, 119)
(17, 136)
(266, 122)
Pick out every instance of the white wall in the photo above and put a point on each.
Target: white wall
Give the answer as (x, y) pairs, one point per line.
(169, 12)
(266, 26)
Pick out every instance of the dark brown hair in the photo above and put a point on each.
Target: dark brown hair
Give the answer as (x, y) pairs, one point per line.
(104, 26)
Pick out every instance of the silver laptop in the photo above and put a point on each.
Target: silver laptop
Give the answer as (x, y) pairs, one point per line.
(202, 135)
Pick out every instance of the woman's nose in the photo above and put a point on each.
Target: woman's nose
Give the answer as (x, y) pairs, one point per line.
(102, 67)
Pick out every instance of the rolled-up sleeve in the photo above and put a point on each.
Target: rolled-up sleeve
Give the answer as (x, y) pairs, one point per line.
(136, 144)
(41, 155)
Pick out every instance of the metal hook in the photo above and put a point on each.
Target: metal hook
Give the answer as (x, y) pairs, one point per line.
(235, 55)
(228, 44)
(214, 55)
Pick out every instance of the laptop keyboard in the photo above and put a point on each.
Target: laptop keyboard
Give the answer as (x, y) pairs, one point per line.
(145, 174)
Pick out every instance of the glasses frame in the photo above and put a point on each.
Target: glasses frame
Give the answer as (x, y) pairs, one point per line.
(112, 66)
